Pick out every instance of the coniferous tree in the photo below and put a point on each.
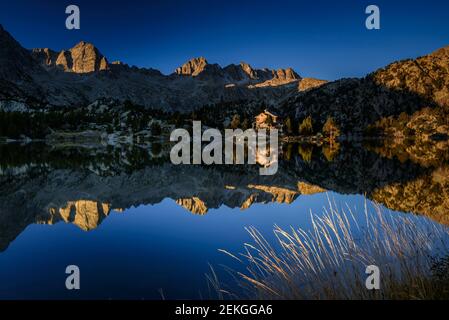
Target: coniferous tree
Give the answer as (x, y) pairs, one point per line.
(288, 125)
(306, 127)
(330, 128)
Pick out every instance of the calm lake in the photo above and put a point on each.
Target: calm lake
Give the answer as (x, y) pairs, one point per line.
(139, 227)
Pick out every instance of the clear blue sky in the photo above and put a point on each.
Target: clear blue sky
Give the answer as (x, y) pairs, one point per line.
(323, 39)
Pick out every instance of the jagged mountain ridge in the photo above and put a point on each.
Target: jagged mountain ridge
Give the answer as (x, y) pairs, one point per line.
(82, 75)
(242, 73)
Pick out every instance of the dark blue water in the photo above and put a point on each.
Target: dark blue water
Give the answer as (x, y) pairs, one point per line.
(144, 251)
(162, 250)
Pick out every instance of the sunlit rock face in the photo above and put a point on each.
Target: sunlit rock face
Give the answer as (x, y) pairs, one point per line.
(254, 194)
(242, 73)
(310, 83)
(286, 75)
(426, 76)
(82, 58)
(64, 61)
(280, 195)
(248, 70)
(86, 214)
(248, 202)
(278, 77)
(86, 58)
(194, 205)
(192, 67)
(308, 189)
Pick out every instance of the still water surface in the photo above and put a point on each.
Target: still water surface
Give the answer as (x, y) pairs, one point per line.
(145, 229)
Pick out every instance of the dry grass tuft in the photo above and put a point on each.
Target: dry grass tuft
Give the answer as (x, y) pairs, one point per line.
(329, 260)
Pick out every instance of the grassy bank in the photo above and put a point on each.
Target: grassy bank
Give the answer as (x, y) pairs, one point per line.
(329, 260)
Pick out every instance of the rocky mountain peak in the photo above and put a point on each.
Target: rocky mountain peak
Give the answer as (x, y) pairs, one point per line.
(193, 67)
(310, 83)
(252, 74)
(82, 58)
(87, 58)
(442, 53)
(287, 74)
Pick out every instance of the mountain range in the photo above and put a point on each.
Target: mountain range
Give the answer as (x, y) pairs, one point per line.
(47, 79)
(81, 75)
(408, 86)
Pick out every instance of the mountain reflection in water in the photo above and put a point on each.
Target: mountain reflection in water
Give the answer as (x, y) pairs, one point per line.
(82, 185)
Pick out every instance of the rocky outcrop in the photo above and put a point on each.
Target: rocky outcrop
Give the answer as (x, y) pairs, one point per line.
(82, 58)
(308, 189)
(257, 194)
(86, 214)
(195, 205)
(310, 83)
(427, 76)
(64, 61)
(280, 195)
(86, 58)
(287, 75)
(278, 77)
(242, 73)
(248, 70)
(192, 67)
